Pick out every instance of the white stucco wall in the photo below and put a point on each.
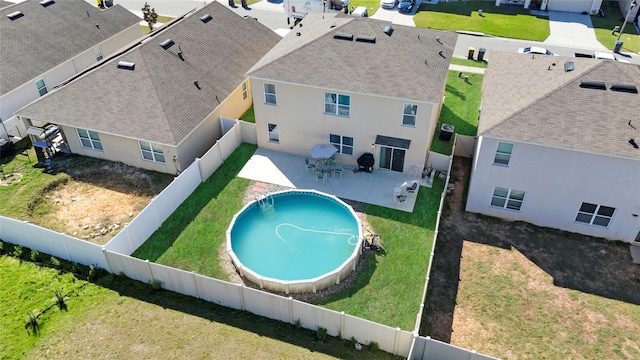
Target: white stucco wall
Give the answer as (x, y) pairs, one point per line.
(578, 6)
(302, 123)
(556, 182)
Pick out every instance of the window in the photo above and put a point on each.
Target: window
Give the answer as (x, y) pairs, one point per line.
(270, 94)
(409, 115)
(336, 104)
(343, 143)
(244, 91)
(503, 153)
(98, 52)
(593, 214)
(507, 198)
(42, 87)
(89, 139)
(151, 152)
(274, 133)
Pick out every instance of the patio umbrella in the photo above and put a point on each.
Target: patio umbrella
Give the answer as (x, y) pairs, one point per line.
(322, 151)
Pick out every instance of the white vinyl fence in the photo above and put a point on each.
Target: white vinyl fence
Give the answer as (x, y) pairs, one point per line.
(114, 257)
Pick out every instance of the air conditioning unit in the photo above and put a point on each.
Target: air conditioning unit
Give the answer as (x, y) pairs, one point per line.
(446, 132)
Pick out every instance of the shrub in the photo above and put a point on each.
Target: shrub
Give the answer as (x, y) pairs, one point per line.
(55, 262)
(17, 251)
(298, 324)
(373, 346)
(321, 333)
(60, 300)
(156, 284)
(353, 341)
(35, 256)
(32, 325)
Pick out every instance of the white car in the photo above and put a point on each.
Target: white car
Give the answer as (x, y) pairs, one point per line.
(388, 4)
(535, 50)
(608, 56)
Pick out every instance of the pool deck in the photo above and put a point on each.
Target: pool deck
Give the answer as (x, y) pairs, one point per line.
(375, 188)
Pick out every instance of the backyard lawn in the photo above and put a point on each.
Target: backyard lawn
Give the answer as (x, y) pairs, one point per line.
(497, 21)
(518, 291)
(461, 105)
(117, 318)
(388, 290)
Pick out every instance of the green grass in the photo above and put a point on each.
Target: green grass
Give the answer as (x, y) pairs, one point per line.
(111, 318)
(497, 21)
(467, 62)
(249, 115)
(160, 20)
(461, 104)
(388, 291)
(603, 27)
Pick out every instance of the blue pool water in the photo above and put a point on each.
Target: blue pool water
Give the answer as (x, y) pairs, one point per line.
(303, 236)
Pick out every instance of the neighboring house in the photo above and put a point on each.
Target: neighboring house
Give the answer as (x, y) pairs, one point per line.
(343, 80)
(157, 106)
(44, 43)
(556, 146)
(578, 6)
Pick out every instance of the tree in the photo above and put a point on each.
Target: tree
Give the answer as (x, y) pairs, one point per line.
(150, 16)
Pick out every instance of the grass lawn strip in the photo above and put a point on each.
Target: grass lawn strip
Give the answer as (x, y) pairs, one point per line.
(460, 109)
(497, 21)
(603, 27)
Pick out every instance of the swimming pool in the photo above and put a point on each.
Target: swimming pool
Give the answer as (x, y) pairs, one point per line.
(295, 241)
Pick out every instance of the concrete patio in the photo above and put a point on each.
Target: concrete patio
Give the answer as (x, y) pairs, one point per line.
(375, 188)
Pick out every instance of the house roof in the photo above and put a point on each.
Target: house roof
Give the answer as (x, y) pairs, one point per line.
(159, 101)
(404, 65)
(5, 4)
(526, 98)
(45, 37)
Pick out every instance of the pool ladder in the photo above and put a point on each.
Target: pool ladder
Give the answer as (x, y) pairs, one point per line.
(266, 203)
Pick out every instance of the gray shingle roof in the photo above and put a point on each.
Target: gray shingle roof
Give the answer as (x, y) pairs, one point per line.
(158, 101)
(48, 36)
(404, 65)
(525, 101)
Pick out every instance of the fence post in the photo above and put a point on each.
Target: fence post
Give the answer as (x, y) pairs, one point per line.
(396, 341)
(291, 321)
(241, 287)
(195, 283)
(66, 248)
(106, 258)
(342, 323)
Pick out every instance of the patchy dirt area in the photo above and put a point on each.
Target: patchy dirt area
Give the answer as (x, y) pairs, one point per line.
(515, 290)
(100, 198)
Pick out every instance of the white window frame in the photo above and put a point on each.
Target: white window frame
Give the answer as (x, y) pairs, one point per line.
(245, 94)
(406, 116)
(92, 139)
(333, 104)
(509, 199)
(502, 158)
(43, 87)
(342, 145)
(98, 52)
(594, 216)
(268, 94)
(273, 133)
(155, 153)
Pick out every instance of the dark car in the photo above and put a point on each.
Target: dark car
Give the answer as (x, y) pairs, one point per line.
(406, 6)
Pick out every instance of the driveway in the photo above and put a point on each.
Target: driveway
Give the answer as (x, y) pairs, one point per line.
(397, 17)
(571, 30)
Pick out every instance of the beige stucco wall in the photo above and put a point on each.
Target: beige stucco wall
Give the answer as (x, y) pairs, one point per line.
(556, 182)
(302, 123)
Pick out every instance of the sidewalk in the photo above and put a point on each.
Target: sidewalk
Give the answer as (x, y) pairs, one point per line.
(468, 69)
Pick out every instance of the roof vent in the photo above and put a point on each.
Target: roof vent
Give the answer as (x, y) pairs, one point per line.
(569, 66)
(633, 143)
(167, 44)
(628, 88)
(15, 15)
(126, 65)
(388, 30)
(46, 3)
(366, 38)
(343, 36)
(206, 18)
(335, 23)
(591, 84)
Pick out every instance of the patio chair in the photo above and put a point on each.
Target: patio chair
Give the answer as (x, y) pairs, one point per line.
(310, 164)
(411, 189)
(320, 175)
(337, 171)
(401, 198)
